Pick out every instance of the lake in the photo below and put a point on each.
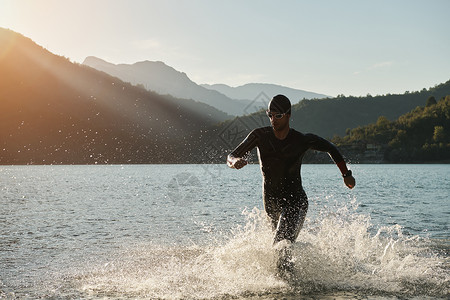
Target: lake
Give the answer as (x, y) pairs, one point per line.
(200, 232)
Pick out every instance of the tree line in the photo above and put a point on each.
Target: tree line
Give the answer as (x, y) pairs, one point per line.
(421, 135)
(53, 111)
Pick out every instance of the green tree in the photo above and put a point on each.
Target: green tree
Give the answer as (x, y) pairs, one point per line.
(382, 122)
(439, 134)
(418, 136)
(430, 101)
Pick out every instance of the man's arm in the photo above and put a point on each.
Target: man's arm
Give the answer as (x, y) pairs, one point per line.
(349, 180)
(235, 159)
(320, 144)
(236, 162)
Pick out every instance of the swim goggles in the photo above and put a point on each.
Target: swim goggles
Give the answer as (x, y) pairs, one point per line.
(275, 115)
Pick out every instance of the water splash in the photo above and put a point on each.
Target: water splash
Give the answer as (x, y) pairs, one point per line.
(245, 264)
(339, 253)
(335, 253)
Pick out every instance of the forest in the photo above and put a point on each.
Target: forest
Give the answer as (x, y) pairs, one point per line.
(53, 111)
(331, 118)
(421, 135)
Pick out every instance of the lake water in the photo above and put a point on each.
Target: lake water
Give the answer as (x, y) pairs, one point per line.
(199, 232)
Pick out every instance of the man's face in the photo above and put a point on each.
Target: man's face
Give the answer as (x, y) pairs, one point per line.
(279, 124)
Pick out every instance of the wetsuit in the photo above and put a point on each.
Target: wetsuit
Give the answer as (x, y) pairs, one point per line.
(285, 201)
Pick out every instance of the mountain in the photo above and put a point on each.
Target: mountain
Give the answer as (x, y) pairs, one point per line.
(329, 117)
(324, 117)
(252, 90)
(53, 111)
(422, 135)
(163, 79)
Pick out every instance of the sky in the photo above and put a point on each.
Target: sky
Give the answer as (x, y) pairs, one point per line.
(346, 47)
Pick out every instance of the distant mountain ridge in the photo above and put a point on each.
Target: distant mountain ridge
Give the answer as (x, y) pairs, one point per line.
(325, 117)
(251, 90)
(163, 79)
(53, 111)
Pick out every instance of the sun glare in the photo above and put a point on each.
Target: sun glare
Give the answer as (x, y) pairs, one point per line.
(8, 42)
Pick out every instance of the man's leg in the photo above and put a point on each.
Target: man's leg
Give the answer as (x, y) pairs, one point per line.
(273, 210)
(289, 225)
(290, 222)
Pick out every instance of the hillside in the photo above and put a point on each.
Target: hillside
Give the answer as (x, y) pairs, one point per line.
(333, 116)
(422, 135)
(251, 90)
(163, 79)
(55, 112)
(325, 117)
(349, 112)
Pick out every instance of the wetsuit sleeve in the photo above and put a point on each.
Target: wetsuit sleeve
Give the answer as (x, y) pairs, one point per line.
(315, 142)
(245, 146)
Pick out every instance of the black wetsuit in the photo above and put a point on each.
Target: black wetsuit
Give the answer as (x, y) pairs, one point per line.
(285, 201)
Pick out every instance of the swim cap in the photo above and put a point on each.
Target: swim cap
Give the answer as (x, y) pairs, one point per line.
(281, 104)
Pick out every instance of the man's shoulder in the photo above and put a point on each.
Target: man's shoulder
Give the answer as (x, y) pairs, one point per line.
(297, 133)
(306, 137)
(262, 130)
(261, 133)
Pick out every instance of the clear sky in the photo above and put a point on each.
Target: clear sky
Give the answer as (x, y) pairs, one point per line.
(350, 47)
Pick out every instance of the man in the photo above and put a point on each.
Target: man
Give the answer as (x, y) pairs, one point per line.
(280, 152)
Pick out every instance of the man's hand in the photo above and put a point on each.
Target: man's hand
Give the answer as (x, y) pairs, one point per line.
(236, 162)
(350, 181)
